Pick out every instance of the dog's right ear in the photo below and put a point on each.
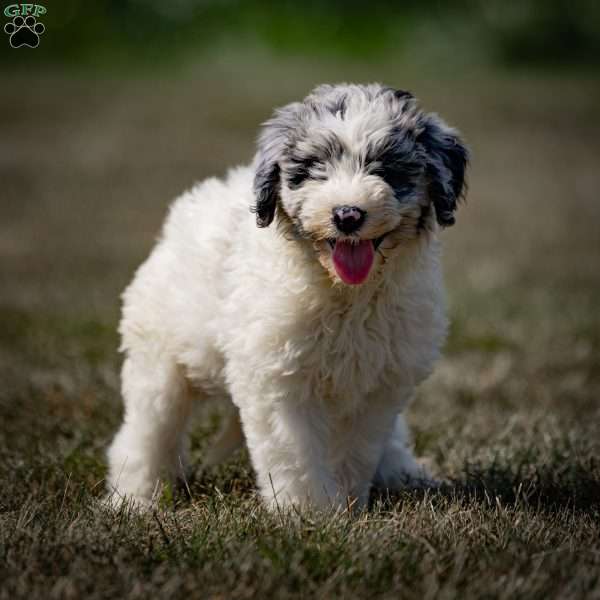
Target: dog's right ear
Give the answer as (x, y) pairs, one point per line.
(272, 145)
(267, 185)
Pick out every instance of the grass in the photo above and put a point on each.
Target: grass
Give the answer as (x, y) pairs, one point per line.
(510, 417)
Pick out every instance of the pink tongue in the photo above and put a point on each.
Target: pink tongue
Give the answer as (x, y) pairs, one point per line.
(353, 262)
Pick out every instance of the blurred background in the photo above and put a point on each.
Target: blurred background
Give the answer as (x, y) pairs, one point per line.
(124, 104)
(115, 33)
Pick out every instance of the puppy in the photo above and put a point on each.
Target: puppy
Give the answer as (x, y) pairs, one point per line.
(314, 327)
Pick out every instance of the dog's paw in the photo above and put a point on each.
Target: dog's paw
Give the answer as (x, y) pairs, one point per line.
(118, 502)
(424, 482)
(406, 475)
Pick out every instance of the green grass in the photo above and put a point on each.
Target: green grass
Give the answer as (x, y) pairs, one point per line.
(510, 418)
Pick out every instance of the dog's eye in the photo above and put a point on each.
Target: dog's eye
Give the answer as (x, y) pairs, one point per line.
(399, 176)
(302, 169)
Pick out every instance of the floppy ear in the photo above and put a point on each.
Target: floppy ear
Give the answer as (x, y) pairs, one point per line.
(446, 163)
(272, 144)
(267, 184)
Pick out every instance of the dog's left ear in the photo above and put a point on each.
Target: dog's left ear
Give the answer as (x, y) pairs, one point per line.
(446, 163)
(272, 144)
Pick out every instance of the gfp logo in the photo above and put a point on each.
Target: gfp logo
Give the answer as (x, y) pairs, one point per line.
(24, 29)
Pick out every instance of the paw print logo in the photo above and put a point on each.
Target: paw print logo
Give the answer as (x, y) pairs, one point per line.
(24, 31)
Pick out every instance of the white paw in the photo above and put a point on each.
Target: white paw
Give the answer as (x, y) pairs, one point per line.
(117, 501)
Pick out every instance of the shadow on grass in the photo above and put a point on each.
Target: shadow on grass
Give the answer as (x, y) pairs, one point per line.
(549, 488)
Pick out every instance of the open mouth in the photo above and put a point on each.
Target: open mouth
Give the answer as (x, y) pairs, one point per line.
(353, 259)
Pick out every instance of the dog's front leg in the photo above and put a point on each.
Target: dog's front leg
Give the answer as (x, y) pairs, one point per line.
(398, 468)
(288, 449)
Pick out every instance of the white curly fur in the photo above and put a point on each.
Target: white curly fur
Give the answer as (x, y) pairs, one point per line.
(318, 372)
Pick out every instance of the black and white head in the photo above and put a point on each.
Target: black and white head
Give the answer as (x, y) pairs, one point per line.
(359, 171)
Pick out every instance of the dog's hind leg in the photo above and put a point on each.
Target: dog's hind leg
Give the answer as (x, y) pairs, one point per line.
(152, 438)
(398, 467)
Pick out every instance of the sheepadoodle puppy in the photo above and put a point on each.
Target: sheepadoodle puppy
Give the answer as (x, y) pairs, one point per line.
(305, 291)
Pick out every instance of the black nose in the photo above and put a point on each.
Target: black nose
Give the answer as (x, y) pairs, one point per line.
(348, 219)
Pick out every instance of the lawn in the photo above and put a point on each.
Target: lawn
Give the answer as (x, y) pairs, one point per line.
(510, 418)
